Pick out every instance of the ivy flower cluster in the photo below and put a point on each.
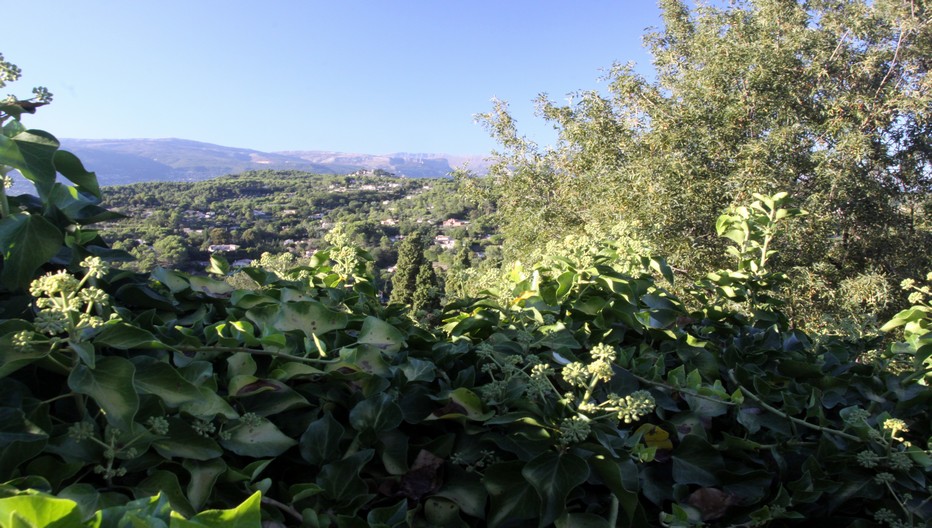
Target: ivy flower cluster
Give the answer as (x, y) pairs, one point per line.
(574, 430)
(919, 294)
(505, 368)
(632, 407)
(894, 426)
(66, 304)
(581, 375)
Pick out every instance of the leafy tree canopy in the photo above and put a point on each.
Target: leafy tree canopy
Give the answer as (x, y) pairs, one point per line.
(827, 99)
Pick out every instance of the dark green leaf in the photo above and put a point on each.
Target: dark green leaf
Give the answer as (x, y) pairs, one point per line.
(320, 443)
(695, 461)
(203, 476)
(376, 414)
(27, 241)
(340, 480)
(124, 336)
(261, 440)
(513, 499)
(71, 167)
(554, 476)
(110, 384)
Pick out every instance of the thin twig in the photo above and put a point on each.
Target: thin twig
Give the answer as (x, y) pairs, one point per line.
(896, 55)
(778, 412)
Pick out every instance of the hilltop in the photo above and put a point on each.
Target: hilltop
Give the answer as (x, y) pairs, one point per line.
(125, 161)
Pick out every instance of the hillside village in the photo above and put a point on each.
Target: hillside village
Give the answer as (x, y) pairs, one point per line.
(241, 217)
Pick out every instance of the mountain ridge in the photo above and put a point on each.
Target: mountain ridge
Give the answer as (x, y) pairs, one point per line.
(125, 161)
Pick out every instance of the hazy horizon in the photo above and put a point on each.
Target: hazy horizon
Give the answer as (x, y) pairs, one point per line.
(307, 75)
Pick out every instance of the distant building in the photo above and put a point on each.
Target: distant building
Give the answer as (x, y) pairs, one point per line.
(222, 247)
(454, 222)
(444, 241)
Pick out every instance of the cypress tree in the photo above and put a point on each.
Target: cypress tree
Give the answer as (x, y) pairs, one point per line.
(426, 295)
(410, 261)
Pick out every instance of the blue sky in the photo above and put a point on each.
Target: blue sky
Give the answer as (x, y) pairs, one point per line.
(371, 77)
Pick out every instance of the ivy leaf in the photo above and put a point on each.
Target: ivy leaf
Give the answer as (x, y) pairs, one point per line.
(581, 520)
(321, 441)
(31, 152)
(124, 336)
(261, 440)
(208, 405)
(85, 351)
(513, 499)
(311, 317)
(27, 242)
(554, 476)
(71, 167)
(148, 511)
(165, 484)
(265, 397)
(376, 414)
(204, 475)
(161, 379)
(183, 442)
(21, 439)
(389, 516)
(13, 358)
(621, 476)
(466, 490)
(110, 384)
(695, 461)
(39, 511)
(14, 427)
(381, 335)
(340, 480)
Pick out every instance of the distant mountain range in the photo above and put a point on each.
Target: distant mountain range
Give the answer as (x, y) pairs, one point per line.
(124, 161)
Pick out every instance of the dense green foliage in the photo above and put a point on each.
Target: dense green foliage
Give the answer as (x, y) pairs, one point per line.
(826, 99)
(587, 395)
(595, 389)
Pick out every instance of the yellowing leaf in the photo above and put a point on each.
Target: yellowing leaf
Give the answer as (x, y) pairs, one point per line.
(527, 294)
(656, 437)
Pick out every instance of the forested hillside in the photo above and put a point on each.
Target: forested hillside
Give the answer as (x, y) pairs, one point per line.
(179, 225)
(709, 305)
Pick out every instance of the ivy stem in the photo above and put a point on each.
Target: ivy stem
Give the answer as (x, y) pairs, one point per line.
(778, 412)
(4, 204)
(902, 504)
(283, 507)
(680, 390)
(613, 512)
(256, 351)
(56, 398)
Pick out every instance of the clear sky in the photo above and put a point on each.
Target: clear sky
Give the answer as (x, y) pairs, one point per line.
(370, 77)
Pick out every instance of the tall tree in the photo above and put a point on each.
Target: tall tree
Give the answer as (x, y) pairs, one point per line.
(410, 261)
(426, 296)
(827, 99)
